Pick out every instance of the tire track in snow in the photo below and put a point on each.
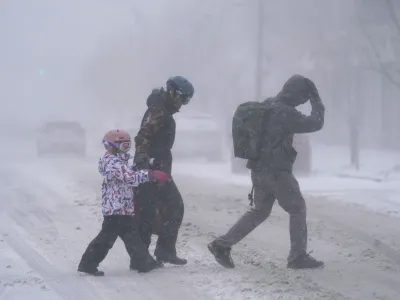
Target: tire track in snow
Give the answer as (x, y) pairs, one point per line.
(376, 243)
(67, 287)
(236, 284)
(320, 210)
(118, 285)
(335, 272)
(341, 217)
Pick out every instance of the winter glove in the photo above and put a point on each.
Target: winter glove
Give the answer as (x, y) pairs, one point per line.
(159, 176)
(142, 161)
(313, 91)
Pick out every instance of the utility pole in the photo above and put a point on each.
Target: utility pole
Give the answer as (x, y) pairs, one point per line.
(259, 70)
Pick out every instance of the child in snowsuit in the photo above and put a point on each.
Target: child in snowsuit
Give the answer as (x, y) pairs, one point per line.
(118, 207)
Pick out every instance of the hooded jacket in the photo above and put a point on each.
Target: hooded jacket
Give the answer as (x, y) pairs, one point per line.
(156, 136)
(283, 122)
(118, 179)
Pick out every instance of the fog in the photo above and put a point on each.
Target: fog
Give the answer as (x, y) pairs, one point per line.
(75, 69)
(96, 61)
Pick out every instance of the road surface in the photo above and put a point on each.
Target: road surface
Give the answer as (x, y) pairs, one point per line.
(51, 210)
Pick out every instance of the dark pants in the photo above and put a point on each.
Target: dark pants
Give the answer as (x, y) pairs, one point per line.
(125, 227)
(167, 200)
(268, 187)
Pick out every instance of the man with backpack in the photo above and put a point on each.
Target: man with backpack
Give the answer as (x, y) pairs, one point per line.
(263, 133)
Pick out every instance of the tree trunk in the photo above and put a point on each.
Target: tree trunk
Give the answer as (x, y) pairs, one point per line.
(354, 144)
(355, 112)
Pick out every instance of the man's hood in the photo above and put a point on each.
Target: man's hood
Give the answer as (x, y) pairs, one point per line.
(295, 91)
(157, 98)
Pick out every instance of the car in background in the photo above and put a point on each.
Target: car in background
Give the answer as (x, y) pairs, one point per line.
(302, 165)
(199, 136)
(61, 137)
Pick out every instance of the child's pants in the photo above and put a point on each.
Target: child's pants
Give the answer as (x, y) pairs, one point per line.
(125, 227)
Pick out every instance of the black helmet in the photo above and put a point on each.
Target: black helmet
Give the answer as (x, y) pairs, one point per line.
(181, 86)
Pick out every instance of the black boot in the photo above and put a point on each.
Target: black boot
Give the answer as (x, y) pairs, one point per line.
(151, 266)
(144, 268)
(90, 271)
(172, 259)
(222, 255)
(305, 261)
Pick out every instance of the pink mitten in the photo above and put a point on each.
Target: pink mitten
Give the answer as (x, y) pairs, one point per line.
(159, 176)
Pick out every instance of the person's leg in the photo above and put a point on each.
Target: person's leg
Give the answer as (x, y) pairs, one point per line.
(146, 204)
(263, 202)
(291, 200)
(140, 258)
(98, 248)
(171, 214)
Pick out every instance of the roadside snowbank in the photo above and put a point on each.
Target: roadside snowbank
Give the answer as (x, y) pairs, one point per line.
(376, 186)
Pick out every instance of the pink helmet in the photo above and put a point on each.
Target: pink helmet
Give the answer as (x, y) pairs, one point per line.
(118, 138)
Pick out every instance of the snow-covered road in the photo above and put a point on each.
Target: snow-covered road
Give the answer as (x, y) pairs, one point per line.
(50, 211)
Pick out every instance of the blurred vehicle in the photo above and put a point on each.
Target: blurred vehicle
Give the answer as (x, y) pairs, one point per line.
(61, 137)
(198, 136)
(302, 165)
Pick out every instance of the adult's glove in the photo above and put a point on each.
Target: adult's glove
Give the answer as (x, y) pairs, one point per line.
(141, 161)
(159, 176)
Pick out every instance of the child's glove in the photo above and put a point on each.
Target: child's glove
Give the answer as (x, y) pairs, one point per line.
(159, 176)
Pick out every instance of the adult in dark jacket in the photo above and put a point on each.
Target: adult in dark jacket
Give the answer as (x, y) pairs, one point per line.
(272, 175)
(155, 140)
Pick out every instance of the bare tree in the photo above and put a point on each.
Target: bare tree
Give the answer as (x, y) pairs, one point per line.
(389, 35)
(380, 26)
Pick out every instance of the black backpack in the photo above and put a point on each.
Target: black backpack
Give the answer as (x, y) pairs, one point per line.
(247, 128)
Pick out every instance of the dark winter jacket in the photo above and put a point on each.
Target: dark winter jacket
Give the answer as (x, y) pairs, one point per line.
(284, 121)
(157, 131)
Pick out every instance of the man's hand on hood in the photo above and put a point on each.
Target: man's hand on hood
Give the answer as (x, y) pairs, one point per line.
(314, 95)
